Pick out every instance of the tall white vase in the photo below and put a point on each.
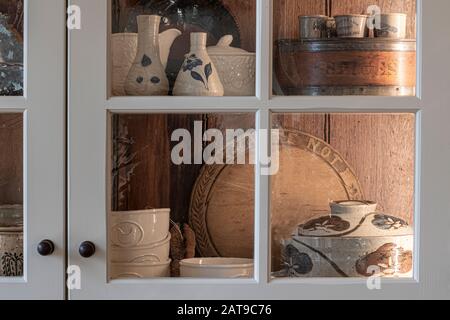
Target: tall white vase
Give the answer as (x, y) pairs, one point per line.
(198, 75)
(147, 76)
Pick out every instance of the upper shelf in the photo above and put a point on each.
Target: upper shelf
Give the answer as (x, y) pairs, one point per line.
(207, 48)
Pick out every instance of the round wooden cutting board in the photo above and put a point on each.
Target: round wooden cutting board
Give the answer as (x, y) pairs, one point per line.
(311, 175)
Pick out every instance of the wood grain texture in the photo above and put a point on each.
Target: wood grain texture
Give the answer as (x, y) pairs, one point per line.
(11, 159)
(346, 68)
(244, 13)
(387, 6)
(286, 13)
(149, 175)
(381, 149)
(312, 123)
(182, 177)
(153, 181)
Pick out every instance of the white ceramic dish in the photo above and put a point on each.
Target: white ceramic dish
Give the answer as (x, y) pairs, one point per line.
(140, 270)
(216, 268)
(138, 228)
(236, 67)
(157, 252)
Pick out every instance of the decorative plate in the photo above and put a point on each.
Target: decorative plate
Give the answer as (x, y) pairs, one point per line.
(311, 175)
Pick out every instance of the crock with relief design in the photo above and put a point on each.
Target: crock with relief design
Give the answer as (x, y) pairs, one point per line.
(353, 241)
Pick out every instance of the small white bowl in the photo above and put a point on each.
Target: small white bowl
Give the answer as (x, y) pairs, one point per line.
(140, 270)
(216, 268)
(138, 228)
(157, 252)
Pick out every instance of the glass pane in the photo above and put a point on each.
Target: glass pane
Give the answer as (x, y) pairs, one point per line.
(182, 196)
(11, 195)
(345, 47)
(11, 47)
(205, 48)
(343, 200)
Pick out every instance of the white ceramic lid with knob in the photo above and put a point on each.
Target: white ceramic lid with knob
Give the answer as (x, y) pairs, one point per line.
(349, 219)
(224, 48)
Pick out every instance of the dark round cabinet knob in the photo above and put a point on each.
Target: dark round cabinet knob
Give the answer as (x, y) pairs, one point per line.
(45, 248)
(87, 249)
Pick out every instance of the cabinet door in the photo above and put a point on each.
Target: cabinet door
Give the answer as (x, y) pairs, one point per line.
(32, 144)
(360, 143)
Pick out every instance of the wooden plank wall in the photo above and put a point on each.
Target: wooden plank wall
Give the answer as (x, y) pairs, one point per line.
(11, 159)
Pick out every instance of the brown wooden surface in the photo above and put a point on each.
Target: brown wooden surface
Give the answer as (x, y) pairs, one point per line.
(376, 68)
(149, 185)
(244, 13)
(11, 159)
(387, 6)
(286, 13)
(381, 149)
(314, 124)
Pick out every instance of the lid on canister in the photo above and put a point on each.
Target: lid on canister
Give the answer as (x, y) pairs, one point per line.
(354, 218)
(11, 217)
(224, 48)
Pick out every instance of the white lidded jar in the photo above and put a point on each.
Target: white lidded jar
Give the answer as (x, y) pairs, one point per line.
(198, 75)
(236, 67)
(354, 240)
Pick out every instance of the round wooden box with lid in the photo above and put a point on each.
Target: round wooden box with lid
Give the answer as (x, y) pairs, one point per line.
(368, 66)
(353, 241)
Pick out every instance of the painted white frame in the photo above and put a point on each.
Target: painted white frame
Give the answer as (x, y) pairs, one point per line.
(43, 109)
(89, 107)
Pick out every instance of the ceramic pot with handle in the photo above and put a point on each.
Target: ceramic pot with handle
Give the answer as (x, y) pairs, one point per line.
(123, 51)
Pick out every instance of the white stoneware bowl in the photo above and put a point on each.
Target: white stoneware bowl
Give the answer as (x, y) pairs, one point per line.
(157, 252)
(351, 25)
(391, 25)
(140, 270)
(138, 228)
(216, 268)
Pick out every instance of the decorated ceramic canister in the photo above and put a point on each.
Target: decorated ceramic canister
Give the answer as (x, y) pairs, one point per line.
(353, 241)
(11, 241)
(236, 67)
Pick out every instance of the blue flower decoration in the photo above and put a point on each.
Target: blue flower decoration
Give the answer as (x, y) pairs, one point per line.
(192, 62)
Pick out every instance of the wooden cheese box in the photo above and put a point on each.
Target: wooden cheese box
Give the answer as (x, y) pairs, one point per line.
(368, 66)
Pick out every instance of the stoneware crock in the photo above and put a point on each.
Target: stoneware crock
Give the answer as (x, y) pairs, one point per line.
(138, 228)
(353, 241)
